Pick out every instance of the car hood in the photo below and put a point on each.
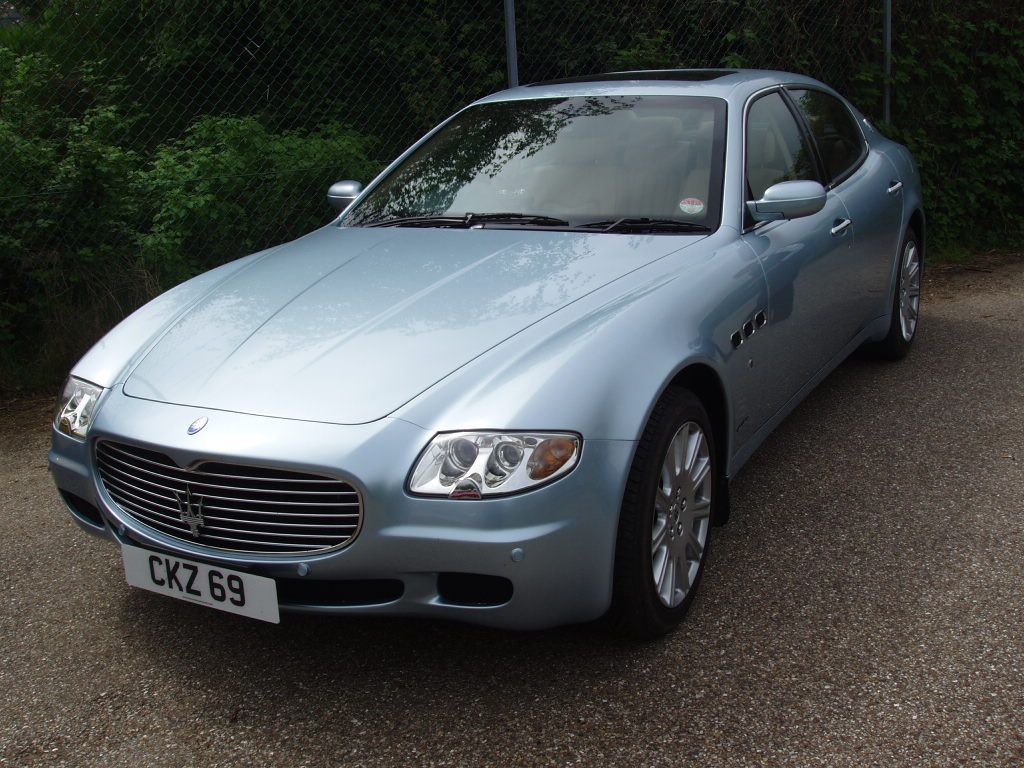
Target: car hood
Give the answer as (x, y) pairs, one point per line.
(345, 325)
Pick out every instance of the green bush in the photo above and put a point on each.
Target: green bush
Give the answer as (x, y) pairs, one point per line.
(93, 229)
(958, 104)
(70, 215)
(230, 187)
(143, 141)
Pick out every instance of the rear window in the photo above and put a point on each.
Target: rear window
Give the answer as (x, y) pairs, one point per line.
(835, 131)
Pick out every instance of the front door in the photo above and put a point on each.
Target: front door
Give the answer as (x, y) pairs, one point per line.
(806, 261)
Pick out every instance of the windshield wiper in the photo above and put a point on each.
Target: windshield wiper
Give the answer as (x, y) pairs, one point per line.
(646, 225)
(515, 218)
(420, 221)
(470, 220)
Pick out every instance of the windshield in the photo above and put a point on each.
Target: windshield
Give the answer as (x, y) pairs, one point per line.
(573, 161)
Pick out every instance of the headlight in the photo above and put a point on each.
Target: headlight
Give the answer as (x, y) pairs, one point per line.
(471, 465)
(76, 406)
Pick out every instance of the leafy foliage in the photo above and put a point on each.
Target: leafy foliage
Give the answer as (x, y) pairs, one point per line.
(958, 104)
(144, 141)
(95, 228)
(223, 188)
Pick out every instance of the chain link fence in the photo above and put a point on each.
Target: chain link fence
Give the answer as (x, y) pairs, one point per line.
(147, 140)
(832, 41)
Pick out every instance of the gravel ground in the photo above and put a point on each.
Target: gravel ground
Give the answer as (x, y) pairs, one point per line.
(863, 607)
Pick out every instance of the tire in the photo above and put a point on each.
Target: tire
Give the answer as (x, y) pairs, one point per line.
(906, 303)
(683, 517)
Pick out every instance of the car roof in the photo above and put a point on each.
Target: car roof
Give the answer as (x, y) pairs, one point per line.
(730, 84)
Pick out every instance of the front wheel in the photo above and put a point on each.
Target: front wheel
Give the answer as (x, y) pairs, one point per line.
(665, 521)
(906, 308)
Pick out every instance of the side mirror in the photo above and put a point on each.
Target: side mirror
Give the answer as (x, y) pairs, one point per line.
(342, 193)
(788, 200)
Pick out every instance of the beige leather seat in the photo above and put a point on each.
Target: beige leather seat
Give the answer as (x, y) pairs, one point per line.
(584, 179)
(653, 165)
(583, 188)
(697, 181)
(767, 166)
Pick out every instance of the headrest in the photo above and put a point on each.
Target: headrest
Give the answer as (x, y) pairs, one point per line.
(653, 140)
(771, 148)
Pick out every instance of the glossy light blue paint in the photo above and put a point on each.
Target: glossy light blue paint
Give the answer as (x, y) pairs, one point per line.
(313, 330)
(346, 350)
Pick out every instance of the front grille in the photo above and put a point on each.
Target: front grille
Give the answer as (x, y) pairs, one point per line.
(230, 506)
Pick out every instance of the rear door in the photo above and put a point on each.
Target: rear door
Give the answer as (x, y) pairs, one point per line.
(868, 185)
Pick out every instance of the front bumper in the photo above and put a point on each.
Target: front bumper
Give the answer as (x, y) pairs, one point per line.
(564, 532)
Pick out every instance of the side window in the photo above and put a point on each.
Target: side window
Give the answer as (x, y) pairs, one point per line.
(777, 150)
(834, 129)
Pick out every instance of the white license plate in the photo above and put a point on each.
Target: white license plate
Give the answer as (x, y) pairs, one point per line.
(210, 585)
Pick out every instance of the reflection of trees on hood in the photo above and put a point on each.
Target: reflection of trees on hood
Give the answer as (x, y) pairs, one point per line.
(480, 141)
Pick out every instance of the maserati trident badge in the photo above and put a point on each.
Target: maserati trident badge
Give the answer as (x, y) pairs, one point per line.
(191, 509)
(196, 425)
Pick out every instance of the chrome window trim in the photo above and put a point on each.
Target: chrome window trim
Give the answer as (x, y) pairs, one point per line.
(743, 157)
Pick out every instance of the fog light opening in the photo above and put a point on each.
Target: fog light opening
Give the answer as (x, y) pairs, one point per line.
(83, 510)
(475, 589)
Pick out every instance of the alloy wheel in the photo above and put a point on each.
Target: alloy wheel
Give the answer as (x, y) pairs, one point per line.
(682, 514)
(910, 290)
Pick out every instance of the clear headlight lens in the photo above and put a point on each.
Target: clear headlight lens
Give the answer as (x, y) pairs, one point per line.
(76, 406)
(471, 465)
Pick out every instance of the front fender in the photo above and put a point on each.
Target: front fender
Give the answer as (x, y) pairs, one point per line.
(110, 358)
(598, 367)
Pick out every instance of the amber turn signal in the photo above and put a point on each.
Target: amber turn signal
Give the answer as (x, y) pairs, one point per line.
(550, 456)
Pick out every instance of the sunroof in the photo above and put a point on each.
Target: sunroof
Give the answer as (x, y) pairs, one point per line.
(689, 75)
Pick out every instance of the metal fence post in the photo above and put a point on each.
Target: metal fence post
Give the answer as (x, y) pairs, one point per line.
(887, 92)
(510, 43)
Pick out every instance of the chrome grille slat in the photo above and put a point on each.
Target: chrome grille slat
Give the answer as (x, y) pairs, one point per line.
(114, 485)
(112, 479)
(223, 529)
(115, 494)
(298, 548)
(174, 511)
(178, 526)
(237, 514)
(311, 480)
(278, 514)
(109, 477)
(160, 515)
(174, 530)
(203, 484)
(318, 526)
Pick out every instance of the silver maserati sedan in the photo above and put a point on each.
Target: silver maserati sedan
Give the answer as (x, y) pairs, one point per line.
(510, 383)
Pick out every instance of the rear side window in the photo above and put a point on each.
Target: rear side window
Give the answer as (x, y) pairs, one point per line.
(777, 149)
(835, 131)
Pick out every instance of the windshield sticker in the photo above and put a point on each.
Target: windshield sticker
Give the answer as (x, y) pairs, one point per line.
(691, 205)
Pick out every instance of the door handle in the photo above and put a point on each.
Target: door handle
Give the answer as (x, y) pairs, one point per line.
(894, 187)
(839, 226)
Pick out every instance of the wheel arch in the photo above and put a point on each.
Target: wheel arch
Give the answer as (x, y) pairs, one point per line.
(916, 223)
(705, 382)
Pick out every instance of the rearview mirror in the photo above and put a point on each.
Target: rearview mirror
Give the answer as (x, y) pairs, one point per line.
(788, 200)
(342, 193)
